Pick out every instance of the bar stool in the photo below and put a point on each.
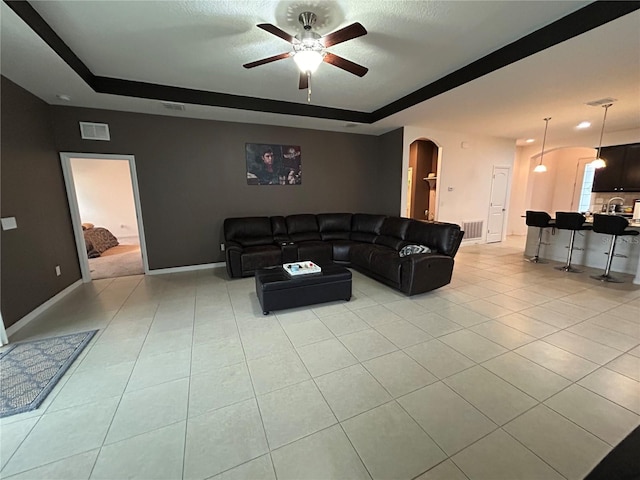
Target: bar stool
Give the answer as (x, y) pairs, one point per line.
(541, 220)
(573, 221)
(615, 226)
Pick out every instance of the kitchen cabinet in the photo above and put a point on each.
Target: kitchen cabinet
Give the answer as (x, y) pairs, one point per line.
(622, 173)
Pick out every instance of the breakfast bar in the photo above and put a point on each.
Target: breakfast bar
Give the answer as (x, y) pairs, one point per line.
(590, 249)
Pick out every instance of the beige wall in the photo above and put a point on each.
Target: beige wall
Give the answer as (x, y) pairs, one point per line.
(105, 195)
(464, 173)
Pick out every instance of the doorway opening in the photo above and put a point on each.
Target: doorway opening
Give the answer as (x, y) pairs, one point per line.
(422, 180)
(105, 211)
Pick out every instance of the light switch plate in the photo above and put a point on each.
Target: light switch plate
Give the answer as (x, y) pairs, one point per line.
(9, 223)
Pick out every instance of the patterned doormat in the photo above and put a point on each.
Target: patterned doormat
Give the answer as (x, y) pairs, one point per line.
(30, 370)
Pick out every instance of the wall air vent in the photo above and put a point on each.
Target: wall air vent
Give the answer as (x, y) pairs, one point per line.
(472, 229)
(174, 106)
(602, 101)
(94, 131)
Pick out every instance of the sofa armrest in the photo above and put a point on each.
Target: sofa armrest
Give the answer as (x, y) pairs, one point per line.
(233, 252)
(424, 272)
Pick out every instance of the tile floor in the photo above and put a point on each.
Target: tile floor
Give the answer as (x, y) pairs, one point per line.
(513, 370)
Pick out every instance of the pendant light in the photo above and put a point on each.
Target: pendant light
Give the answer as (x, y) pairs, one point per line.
(599, 162)
(540, 168)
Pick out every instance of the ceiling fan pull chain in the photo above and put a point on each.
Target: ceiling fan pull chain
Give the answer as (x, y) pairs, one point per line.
(308, 87)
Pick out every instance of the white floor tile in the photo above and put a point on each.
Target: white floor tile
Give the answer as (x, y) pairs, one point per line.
(219, 388)
(220, 440)
(391, 444)
(76, 467)
(498, 456)
(528, 325)
(438, 358)
(377, 315)
(617, 388)
(351, 391)
(148, 409)
(12, 436)
(568, 448)
(461, 315)
(259, 469)
(304, 333)
(449, 419)
(398, 373)
(157, 369)
(62, 434)
(403, 334)
(157, 454)
(325, 357)
(605, 419)
(497, 399)
(472, 345)
(434, 324)
(526, 375)
(215, 354)
(502, 334)
(277, 371)
(367, 344)
(446, 470)
(344, 323)
(294, 412)
(557, 360)
(627, 365)
(326, 455)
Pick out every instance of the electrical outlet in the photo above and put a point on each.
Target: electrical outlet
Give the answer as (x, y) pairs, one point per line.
(222, 247)
(58, 272)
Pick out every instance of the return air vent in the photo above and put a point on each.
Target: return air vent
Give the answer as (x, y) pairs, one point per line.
(602, 101)
(472, 229)
(174, 106)
(94, 131)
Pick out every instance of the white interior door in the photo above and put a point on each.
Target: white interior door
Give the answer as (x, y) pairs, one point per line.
(497, 207)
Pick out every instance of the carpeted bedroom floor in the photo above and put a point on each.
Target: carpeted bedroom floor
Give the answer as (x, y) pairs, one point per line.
(118, 261)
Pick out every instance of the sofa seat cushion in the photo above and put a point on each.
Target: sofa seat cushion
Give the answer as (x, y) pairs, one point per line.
(342, 250)
(317, 251)
(387, 264)
(334, 226)
(261, 256)
(360, 254)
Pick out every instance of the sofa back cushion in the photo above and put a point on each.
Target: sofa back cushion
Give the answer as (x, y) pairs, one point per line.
(248, 231)
(279, 229)
(303, 227)
(440, 237)
(366, 227)
(393, 232)
(334, 226)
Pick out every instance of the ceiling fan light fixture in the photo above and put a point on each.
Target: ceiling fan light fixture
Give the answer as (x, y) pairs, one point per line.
(598, 163)
(308, 61)
(540, 168)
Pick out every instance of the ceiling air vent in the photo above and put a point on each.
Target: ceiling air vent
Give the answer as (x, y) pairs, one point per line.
(602, 101)
(94, 131)
(174, 106)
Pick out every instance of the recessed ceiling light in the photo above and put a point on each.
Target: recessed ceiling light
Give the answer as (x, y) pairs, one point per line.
(583, 125)
(530, 140)
(63, 97)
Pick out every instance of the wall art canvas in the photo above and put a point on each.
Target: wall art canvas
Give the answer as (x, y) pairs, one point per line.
(273, 164)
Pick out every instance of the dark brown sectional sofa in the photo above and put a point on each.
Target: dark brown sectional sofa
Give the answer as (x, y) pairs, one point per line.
(368, 243)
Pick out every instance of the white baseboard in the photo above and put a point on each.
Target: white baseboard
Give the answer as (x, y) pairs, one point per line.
(42, 308)
(188, 268)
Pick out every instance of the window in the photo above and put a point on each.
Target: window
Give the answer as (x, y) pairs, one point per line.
(584, 205)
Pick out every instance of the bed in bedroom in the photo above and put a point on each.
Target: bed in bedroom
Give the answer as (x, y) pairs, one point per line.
(97, 239)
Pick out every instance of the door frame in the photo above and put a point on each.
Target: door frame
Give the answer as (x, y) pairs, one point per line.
(507, 194)
(65, 160)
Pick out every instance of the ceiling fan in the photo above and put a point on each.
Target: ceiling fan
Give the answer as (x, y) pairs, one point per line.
(309, 48)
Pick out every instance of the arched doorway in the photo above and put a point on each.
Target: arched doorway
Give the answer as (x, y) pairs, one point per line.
(422, 180)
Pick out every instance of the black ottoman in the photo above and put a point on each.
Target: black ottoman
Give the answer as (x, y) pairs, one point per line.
(276, 290)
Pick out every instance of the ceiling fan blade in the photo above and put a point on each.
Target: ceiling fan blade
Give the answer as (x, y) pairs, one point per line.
(277, 32)
(267, 60)
(345, 64)
(354, 30)
(304, 81)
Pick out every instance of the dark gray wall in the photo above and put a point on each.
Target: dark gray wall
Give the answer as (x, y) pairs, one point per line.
(32, 191)
(192, 175)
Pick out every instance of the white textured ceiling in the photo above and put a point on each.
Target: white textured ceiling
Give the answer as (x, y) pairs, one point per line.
(203, 44)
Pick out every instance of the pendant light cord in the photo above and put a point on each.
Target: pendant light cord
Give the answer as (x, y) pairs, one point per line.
(544, 139)
(604, 120)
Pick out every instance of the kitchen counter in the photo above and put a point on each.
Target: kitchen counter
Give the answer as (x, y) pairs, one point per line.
(595, 248)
